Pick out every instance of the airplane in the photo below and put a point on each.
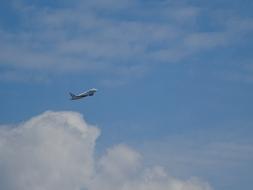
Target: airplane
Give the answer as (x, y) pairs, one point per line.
(89, 92)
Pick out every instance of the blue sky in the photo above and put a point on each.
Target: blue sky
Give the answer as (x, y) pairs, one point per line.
(174, 77)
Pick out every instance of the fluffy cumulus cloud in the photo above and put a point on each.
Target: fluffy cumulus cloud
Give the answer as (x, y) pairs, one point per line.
(50, 151)
(55, 151)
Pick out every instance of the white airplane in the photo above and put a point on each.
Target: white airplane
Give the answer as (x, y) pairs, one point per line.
(89, 92)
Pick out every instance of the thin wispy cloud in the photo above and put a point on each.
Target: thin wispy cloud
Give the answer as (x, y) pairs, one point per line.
(107, 36)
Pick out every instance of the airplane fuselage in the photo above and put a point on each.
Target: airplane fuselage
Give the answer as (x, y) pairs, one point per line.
(90, 92)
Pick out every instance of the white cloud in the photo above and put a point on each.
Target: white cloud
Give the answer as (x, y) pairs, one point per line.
(109, 38)
(55, 151)
(50, 151)
(22, 77)
(100, 36)
(205, 40)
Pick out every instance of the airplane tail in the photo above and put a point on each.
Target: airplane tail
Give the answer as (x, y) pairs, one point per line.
(73, 96)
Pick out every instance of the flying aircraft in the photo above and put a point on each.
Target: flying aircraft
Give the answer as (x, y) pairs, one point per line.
(89, 92)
